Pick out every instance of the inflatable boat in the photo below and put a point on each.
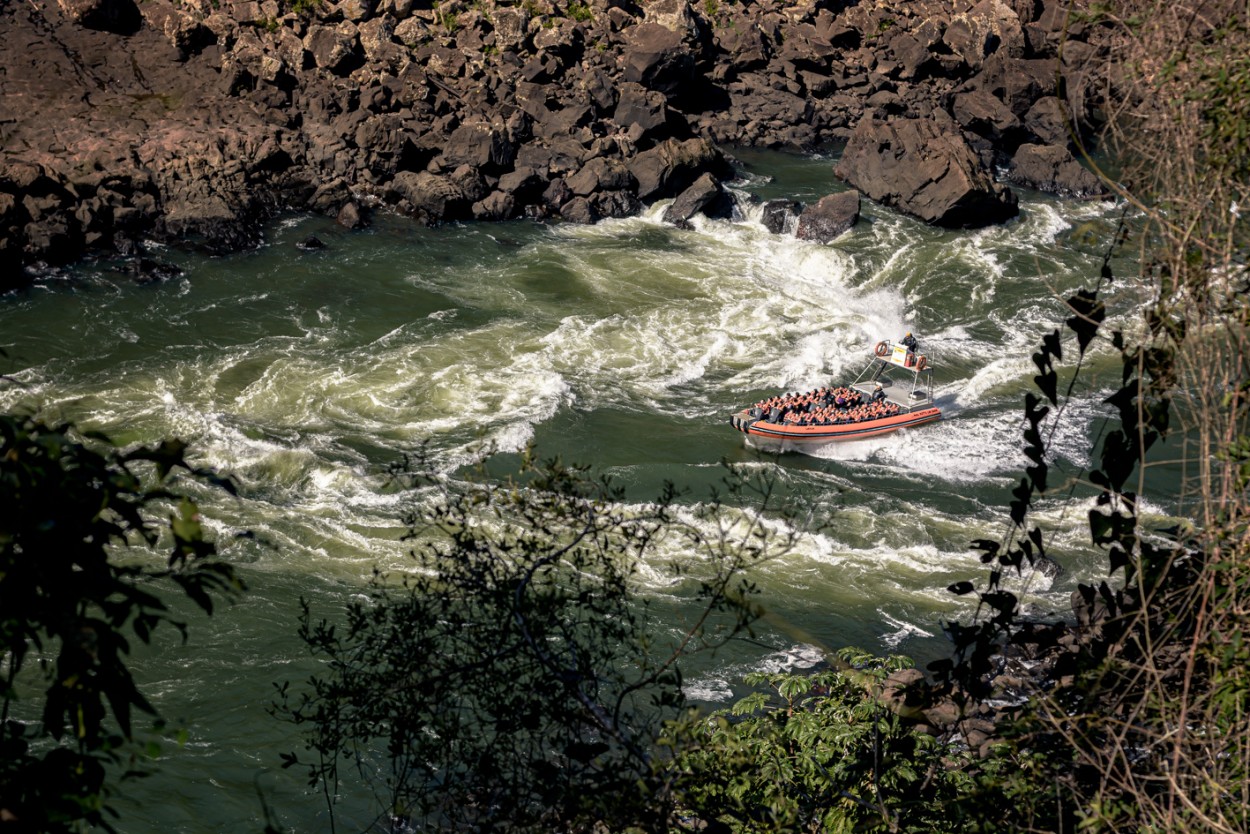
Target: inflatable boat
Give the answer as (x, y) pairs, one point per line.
(895, 391)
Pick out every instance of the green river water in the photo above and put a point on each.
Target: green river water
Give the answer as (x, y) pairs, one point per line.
(623, 345)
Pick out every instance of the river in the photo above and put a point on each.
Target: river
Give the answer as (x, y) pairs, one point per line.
(623, 345)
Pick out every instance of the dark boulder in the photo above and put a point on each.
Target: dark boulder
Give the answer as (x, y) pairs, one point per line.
(706, 196)
(657, 58)
(149, 270)
(780, 215)
(926, 168)
(646, 109)
(982, 113)
(334, 49)
(311, 243)
(579, 210)
(352, 216)
(829, 217)
(430, 197)
(601, 174)
(745, 43)
(497, 205)
(1049, 121)
(1054, 169)
(671, 167)
(481, 145)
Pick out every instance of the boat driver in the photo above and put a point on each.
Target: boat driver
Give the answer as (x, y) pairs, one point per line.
(909, 341)
(878, 393)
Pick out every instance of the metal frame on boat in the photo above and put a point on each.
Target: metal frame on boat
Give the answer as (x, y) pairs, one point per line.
(914, 401)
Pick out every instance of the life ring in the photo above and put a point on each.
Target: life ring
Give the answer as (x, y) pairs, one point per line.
(883, 348)
(921, 363)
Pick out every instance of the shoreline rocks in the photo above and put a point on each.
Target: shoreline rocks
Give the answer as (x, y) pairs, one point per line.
(197, 120)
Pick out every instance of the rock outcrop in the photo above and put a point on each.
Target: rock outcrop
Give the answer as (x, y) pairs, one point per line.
(829, 217)
(194, 120)
(926, 168)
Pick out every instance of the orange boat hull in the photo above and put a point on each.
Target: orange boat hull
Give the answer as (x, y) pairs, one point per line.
(743, 422)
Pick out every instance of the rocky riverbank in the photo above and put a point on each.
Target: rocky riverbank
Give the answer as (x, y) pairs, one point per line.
(193, 120)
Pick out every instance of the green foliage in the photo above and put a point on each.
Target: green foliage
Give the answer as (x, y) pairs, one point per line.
(580, 12)
(447, 18)
(304, 7)
(820, 753)
(68, 604)
(515, 680)
(711, 7)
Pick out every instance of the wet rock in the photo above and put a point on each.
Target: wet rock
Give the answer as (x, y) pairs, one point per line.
(673, 166)
(430, 197)
(311, 243)
(146, 270)
(1054, 169)
(780, 215)
(924, 167)
(498, 205)
(829, 217)
(705, 196)
(351, 216)
(601, 175)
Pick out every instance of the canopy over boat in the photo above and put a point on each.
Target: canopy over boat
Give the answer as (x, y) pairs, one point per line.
(893, 392)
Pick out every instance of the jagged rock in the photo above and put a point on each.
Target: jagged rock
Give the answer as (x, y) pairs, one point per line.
(602, 174)
(745, 43)
(615, 204)
(497, 205)
(705, 196)
(989, 28)
(351, 216)
(646, 109)
(334, 49)
(482, 145)
(829, 217)
(430, 197)
(674, 15)
(657, 58)
(1054, 169)
(579, 210)
(1018, 83)
(673, 166)
(780, 215)
(357, 98)
(511, 28)
(980, 112)
(925, 168)
(523, 184)
(1049, 121)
